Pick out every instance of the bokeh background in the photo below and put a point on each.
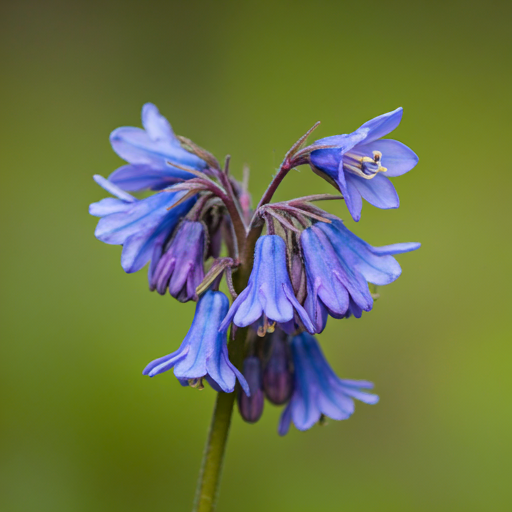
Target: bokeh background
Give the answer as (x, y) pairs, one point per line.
(81, 429)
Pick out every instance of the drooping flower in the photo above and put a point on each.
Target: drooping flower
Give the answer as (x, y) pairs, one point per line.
(204, 351)
(269, 291)
(142, 227)
(339, 266)
(180, 268)
(318, 390)
(251, 407)
(277, 374)
(148, 152)
(360, 163)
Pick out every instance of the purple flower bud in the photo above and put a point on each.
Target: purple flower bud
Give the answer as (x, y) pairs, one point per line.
(204, 351)
(251, 407)
(277, 375)
(180, 268)
(269, 291)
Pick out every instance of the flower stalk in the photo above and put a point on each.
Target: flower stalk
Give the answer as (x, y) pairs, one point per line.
(285, 284)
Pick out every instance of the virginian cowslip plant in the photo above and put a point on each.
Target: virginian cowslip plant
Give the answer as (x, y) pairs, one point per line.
(198, 227)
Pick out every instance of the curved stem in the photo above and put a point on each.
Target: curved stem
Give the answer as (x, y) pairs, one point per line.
(278, 178)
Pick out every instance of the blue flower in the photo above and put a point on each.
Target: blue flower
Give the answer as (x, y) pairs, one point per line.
(269, 292)
(355, 162)
(339, 266)
(251, 407)
(142, 227)
(318, 390)
(180, 268)
(148, 152)
(204, 351)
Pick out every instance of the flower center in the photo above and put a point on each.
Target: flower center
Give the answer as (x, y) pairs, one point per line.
(363, 166)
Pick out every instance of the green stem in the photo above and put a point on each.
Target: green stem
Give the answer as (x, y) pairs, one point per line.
(211, 467)
(209, 478)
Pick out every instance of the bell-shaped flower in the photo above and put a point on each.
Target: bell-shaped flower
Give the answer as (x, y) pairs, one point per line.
(269, 292)
(150, 153)
(318, 390)
(142, 227)
(251, 407)
(204, 351)
(359, 164)
(339, 266)
(180, 268)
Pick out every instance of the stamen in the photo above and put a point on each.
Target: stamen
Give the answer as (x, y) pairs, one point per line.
(364, 166)
(196, 383)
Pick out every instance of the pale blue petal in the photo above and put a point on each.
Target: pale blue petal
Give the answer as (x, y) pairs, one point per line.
(113, 189)
(380, 126)
(378, 191)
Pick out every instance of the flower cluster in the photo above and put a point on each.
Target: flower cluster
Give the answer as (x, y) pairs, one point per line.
(285, 282)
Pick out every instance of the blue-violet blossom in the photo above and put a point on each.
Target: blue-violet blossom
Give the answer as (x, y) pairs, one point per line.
(150, 153)
(269, 291)
(355, 163)
(339, 266)
(204, 351)
(142, 227)
(318, 390)
(180, 268)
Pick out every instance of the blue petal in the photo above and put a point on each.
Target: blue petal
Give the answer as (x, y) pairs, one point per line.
(378, 191)
(382, 125)
(108, 206)
(397, 158)
(156, 125)
(396, 248)
(285, 420)
(162, 364)
(113, 189)
(142, 177)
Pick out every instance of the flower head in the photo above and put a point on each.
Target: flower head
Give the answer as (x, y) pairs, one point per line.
(269, 291)
(318, 390)
(142, 227)
(150, 153)
(204, 351)
(180, 268)
(359, 164)
(339, 266)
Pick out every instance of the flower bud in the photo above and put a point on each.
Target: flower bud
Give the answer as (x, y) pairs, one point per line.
(180, 268)
(251, 407)
(277, 375)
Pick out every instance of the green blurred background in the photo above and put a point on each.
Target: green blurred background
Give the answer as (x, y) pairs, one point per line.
(81, 429)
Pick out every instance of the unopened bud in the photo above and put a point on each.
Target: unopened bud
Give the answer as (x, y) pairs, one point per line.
(251, 407)
(277, 376)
